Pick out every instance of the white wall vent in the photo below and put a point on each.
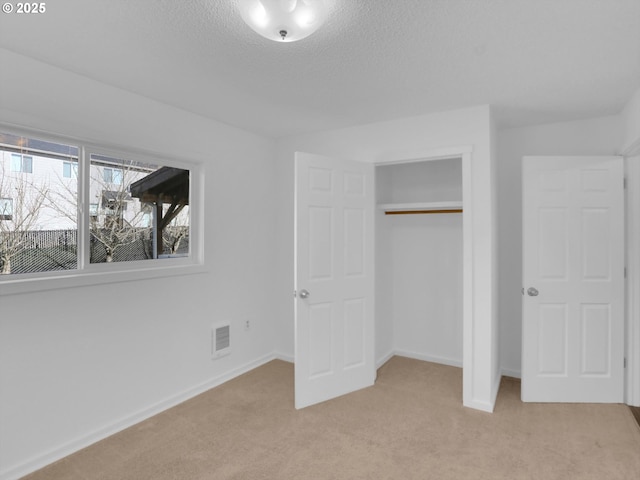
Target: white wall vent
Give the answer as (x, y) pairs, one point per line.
(220, 340)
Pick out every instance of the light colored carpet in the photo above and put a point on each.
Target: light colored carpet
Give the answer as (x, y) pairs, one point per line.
(410, 425)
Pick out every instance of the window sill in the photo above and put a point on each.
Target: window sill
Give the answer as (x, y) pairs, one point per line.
(72, 279)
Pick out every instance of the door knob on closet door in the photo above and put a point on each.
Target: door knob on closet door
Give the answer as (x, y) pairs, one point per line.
(303, 293)
(532, 292)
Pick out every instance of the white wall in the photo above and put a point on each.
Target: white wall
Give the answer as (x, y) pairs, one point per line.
(631, 123)
(425, 286)
(631, 148)
(496, 369)
(599, 136)
(398, 139)
(77, 364)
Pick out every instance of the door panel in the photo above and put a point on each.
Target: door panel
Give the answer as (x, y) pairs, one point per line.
(319, 342)
(354, 332)
(552, 340)
(334, 262)
(573, 256)
(354, 242)
(596, 263)
(553, 246)
(321, 249)
(595, 325)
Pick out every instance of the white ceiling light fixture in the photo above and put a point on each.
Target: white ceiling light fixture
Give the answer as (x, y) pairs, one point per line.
(284, 20)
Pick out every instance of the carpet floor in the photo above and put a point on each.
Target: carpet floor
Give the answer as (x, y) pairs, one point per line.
(410, 425)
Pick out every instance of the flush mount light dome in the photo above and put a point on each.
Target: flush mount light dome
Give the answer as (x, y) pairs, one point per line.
(284, 20)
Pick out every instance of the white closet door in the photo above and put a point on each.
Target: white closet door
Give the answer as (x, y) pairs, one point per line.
(334, 277)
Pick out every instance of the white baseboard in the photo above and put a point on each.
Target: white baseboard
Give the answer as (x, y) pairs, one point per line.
(453, 362)
(384, 359)
(507, 372)
(495, 391)
(388, 356)
(44, 459)
(482, 406)
(285, 357)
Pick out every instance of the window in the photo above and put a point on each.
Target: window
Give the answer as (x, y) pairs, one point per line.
(93, 212)
(41, 235)
(129, 193)
(69, 170)
(6, 209)
(21, 163)
(147, 214)
(112, 175)
(139, 210)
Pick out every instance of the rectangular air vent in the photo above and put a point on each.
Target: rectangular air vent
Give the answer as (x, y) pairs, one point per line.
(220, 340)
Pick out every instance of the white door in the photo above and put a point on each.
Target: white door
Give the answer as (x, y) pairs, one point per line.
(573, 279)
(334, 278)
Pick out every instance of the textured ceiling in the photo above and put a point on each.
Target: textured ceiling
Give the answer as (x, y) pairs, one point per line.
(535, 61)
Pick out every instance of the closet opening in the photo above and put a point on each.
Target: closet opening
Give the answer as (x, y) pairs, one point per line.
(420, 273)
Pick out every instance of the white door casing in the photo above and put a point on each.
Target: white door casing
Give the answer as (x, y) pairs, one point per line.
(334, 266)
(573, 279)
(632, 395)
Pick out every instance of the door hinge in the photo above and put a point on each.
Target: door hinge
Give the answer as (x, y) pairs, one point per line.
(625, 363)
(624, 183)
(625, 272)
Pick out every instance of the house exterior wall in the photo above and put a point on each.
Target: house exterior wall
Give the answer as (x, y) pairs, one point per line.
(46, 173)
(59, 208)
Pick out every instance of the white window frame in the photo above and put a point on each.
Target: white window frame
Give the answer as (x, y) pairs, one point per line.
(73, 170)
(88, 273)
(115, 175)
(22, 157)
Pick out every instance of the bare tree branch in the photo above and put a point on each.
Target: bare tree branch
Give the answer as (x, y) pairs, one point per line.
(26, 199)
(111, 227)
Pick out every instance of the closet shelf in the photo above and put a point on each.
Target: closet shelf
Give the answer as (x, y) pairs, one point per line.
(422, 207)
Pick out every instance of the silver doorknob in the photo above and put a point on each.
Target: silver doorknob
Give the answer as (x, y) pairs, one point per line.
(303, 293)
(532, 292)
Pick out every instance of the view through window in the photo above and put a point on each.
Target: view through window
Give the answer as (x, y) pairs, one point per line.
(141, 210)
(136, 210)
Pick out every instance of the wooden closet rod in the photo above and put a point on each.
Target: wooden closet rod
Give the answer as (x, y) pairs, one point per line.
(412, 212)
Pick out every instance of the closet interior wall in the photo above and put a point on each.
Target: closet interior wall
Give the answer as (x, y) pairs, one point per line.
(419, 303)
